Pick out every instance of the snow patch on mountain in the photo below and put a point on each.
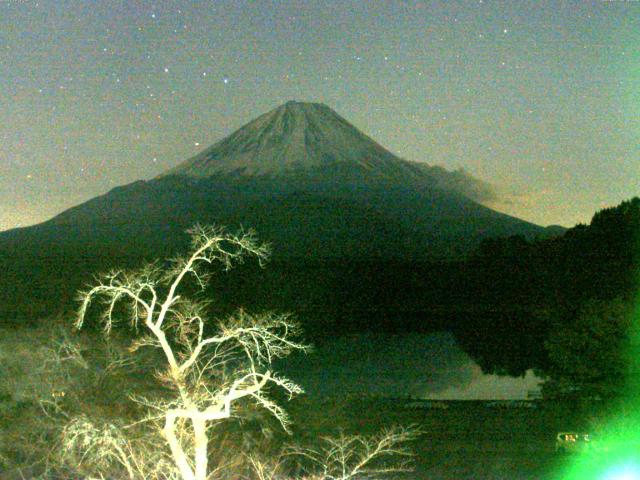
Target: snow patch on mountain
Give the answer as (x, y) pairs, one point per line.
(309, 141)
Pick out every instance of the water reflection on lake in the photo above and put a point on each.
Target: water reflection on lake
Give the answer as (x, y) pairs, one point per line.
(417, 365)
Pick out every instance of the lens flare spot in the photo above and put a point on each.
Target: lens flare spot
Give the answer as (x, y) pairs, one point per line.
(629, 471)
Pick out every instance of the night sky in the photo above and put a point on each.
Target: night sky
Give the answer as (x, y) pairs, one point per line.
(540, 98)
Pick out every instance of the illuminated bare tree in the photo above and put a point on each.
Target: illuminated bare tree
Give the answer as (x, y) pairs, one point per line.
(346, 457)
(209, 372)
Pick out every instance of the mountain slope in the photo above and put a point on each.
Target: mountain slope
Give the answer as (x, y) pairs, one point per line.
(309, 141)
(310, 183)
(296, 139)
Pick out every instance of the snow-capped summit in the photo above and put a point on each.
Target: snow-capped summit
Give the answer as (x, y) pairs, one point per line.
(296, 138)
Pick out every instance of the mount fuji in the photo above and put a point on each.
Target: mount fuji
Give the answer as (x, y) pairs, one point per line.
(310, 183)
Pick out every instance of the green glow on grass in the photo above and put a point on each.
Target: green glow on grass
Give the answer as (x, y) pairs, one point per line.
(615, 456)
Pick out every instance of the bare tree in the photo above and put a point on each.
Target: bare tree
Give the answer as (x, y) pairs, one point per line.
(208, 373)
(345, 457)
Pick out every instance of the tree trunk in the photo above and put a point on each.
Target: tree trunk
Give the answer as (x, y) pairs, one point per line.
(176, 449)
(200, 436)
